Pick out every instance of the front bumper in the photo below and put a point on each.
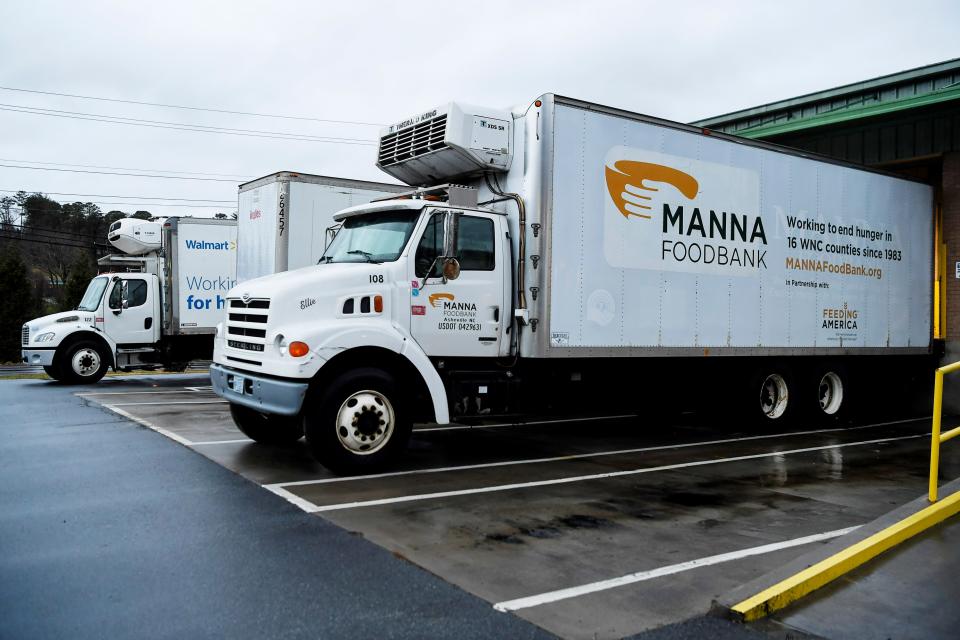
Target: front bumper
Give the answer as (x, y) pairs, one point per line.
(261, 393)
(38, 357)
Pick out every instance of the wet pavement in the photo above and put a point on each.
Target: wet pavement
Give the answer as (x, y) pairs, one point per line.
(108, 530)
(589, 529)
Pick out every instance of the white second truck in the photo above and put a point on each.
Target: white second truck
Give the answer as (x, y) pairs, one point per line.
(157, 304)
(586, 257)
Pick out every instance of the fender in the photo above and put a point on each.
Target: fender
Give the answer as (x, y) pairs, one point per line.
(391, 340)
(87, 333)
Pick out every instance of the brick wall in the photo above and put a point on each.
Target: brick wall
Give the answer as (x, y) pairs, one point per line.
(950, 185)
(950, 201)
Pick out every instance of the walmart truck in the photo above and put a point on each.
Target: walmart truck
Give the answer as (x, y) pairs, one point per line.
(156, 304)
(565, 256)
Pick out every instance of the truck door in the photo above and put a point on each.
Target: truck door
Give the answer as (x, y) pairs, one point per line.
(466, 316)
(133, 322)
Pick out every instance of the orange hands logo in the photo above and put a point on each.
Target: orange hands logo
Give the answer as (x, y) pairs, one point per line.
(436, 297)
(626, 182)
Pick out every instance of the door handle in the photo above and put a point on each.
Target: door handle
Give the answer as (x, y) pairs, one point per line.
(486, 339)
(496, 314)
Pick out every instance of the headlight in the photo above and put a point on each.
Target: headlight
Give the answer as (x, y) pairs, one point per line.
(44, 337)
(281, 343)
(219, 330)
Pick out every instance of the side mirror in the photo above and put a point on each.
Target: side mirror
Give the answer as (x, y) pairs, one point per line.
(451, 269)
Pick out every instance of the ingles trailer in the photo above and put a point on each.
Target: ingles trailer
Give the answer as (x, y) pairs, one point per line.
(286, 218)
(586, 257)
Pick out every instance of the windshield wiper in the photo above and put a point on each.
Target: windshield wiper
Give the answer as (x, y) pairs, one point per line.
(325, 259)
(365, 254)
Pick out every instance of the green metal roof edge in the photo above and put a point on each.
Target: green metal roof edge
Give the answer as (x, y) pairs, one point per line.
(853, 113)
(827, 94)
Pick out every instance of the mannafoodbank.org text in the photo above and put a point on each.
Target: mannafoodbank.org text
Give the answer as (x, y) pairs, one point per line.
(842, 268)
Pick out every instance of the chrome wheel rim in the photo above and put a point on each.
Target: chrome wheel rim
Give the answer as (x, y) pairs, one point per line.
(85, 362)
(365, 422)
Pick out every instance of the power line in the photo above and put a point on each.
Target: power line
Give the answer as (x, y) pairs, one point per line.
(108, 173)
(101, 195)
(99, 166)
(158, 124)
(153, 204)
(177, 106)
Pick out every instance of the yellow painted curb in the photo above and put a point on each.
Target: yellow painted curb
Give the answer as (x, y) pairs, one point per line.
(798, 585)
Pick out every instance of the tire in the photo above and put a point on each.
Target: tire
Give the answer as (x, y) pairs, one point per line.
(83, 363)
(53, 372)
(359, 423)
(266, 428)
(772, 397)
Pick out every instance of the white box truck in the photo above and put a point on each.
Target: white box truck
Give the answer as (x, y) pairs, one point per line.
(286, 218)
(590, 258)
(155, 305)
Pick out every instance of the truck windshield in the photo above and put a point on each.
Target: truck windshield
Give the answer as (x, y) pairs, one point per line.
(372, 237)
(91, 299)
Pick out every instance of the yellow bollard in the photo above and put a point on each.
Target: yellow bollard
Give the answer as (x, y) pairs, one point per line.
(935, 435)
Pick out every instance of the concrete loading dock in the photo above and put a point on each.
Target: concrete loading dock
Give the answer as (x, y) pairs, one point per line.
(604, 527)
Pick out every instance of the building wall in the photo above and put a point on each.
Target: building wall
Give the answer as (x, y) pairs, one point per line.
(950, 201)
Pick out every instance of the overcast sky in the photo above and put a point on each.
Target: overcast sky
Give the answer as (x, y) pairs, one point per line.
(373, 62)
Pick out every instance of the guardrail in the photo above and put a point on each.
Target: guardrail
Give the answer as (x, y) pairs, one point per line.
(937, 438)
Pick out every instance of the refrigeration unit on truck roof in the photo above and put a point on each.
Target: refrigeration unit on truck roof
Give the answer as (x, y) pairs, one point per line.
(451, 141)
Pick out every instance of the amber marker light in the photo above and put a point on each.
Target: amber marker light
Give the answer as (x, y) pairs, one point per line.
(298, 349)
(378, 304)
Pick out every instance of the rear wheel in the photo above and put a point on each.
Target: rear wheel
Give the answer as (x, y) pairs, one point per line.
(834, 399)
(266, 428)
(770, 397)
(83, 363)
(358, 423)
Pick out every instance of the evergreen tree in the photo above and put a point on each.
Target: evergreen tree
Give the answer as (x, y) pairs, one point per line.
(17, 305)
(81, 272)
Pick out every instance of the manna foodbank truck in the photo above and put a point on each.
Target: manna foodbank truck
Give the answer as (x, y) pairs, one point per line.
(568, 256)
(156, 305)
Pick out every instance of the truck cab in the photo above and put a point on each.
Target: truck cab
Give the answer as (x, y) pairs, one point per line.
(403, 284)
(115, 318)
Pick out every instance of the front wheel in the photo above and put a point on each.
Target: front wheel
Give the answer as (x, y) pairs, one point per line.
(266, 428)
(359, 423)
(83, 363)
(51, 371)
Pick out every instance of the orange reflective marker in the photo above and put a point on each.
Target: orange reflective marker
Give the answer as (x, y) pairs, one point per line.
(378, 304)
(299, 349)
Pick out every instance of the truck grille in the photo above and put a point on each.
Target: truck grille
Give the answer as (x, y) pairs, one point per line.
(418, 140)
(25, 335)
(247, 320)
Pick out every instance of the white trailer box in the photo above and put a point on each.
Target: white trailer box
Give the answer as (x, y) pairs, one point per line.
(285, 218)
(685, 242)
(199, 268)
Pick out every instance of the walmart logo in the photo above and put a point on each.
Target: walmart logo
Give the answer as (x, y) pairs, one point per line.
(203, 245)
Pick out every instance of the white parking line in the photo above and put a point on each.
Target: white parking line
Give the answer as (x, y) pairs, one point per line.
(149, 425)
(208, 442)
(578, 456)
(594, 476)
(168, 402)
(640, 576)
(190, 390)
(460, 427)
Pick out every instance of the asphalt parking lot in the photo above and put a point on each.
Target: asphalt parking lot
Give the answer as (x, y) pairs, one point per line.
(600, 528)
